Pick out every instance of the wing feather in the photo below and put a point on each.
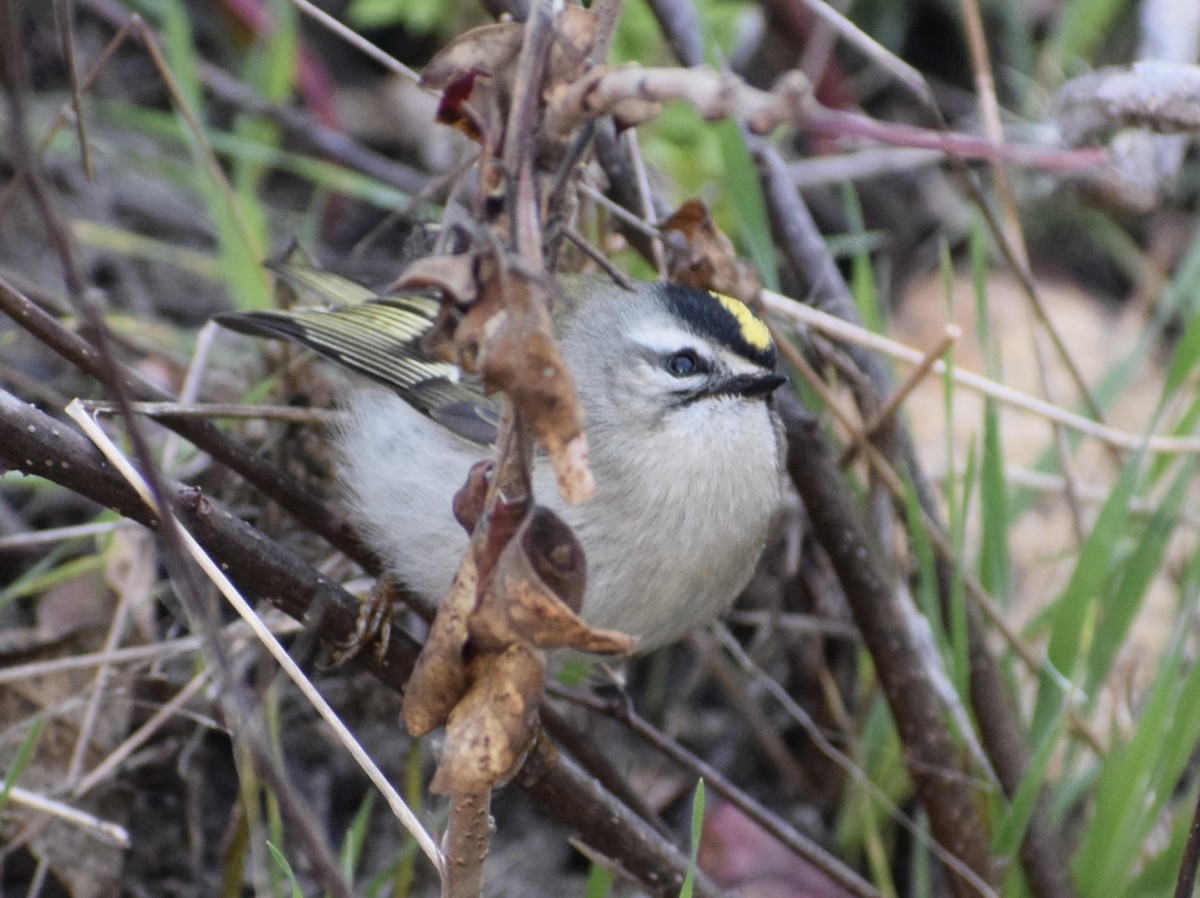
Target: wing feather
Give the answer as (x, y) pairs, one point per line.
(380, 338)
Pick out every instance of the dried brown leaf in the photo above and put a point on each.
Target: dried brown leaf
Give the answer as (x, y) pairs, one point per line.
(705, 257)
(469, 501)
(454, 276)
(476, 72)
(534, 592)
(490, 730)
(485, 50)
(575, 34)
(439, 680)
(507, 337)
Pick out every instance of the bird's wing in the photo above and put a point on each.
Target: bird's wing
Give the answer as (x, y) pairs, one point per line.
(379, 337)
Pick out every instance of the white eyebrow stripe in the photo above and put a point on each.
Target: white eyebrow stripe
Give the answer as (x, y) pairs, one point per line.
(666, 338)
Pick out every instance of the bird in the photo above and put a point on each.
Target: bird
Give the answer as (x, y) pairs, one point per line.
(687, 449)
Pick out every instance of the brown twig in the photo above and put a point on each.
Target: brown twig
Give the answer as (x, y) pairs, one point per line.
(887, 61)
(633, 94)
(468, 835)
(37, 444)
(1185, 883)
(197, 602)
(291, 495)
(931, 757)
(896, 399)
(796, 841)
(65, 16)
(60, 117)
(762, 731)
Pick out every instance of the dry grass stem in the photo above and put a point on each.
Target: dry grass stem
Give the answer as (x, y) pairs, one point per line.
(403, 813)
(55, 535)
(837, 328)
(139, 654)
(286, 413)
(889, 408)
(101, 829)
(845, 762)
(99, 690)
(325, 20)
(140, 736)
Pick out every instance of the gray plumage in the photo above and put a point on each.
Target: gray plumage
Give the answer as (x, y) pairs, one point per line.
(685, 446)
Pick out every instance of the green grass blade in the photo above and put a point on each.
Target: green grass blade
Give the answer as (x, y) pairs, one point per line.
(318, 172)
(1011, 828)
(1082, 26)
(356, 837)
(742, 185)
(282, 865)
(862, 271)
(993, 504)
(599, 882)
(1069, 615)
(21, 760)
(689, 881)
(1144, 562)
(1138, 779)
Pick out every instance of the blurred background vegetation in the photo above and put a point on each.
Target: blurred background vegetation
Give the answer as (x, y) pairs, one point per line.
(227, 131)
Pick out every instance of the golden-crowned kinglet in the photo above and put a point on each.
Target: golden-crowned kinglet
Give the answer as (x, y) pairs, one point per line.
(686, 446)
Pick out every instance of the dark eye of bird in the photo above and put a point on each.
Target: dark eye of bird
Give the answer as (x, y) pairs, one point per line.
(684, 362)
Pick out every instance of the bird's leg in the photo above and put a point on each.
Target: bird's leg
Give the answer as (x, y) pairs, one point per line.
(373, 623)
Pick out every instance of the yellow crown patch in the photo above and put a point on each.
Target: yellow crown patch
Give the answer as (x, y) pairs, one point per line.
(750, 325)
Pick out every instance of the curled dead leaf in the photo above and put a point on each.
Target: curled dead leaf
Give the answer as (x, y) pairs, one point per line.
(574, 36)
(534, 592)
(526, 364)
(469, 501)
(475, 71)
(556, 556)
(439, 680)
(504, 521)
(465, 107)
(702, 256)
(492, 728)
(492, 49)
(507, 337)
(485, 50)
(454, 276)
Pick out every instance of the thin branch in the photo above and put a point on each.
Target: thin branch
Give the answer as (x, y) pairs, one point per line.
(104, 830)
(289, 493)
(989, 108)
(632, 94)
(795, 841)
(932, 759)
(889, 62)
(1185, 883)
(360, 43)
(33, 442)
(289, 414)
(861, 337)
(889, 408)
